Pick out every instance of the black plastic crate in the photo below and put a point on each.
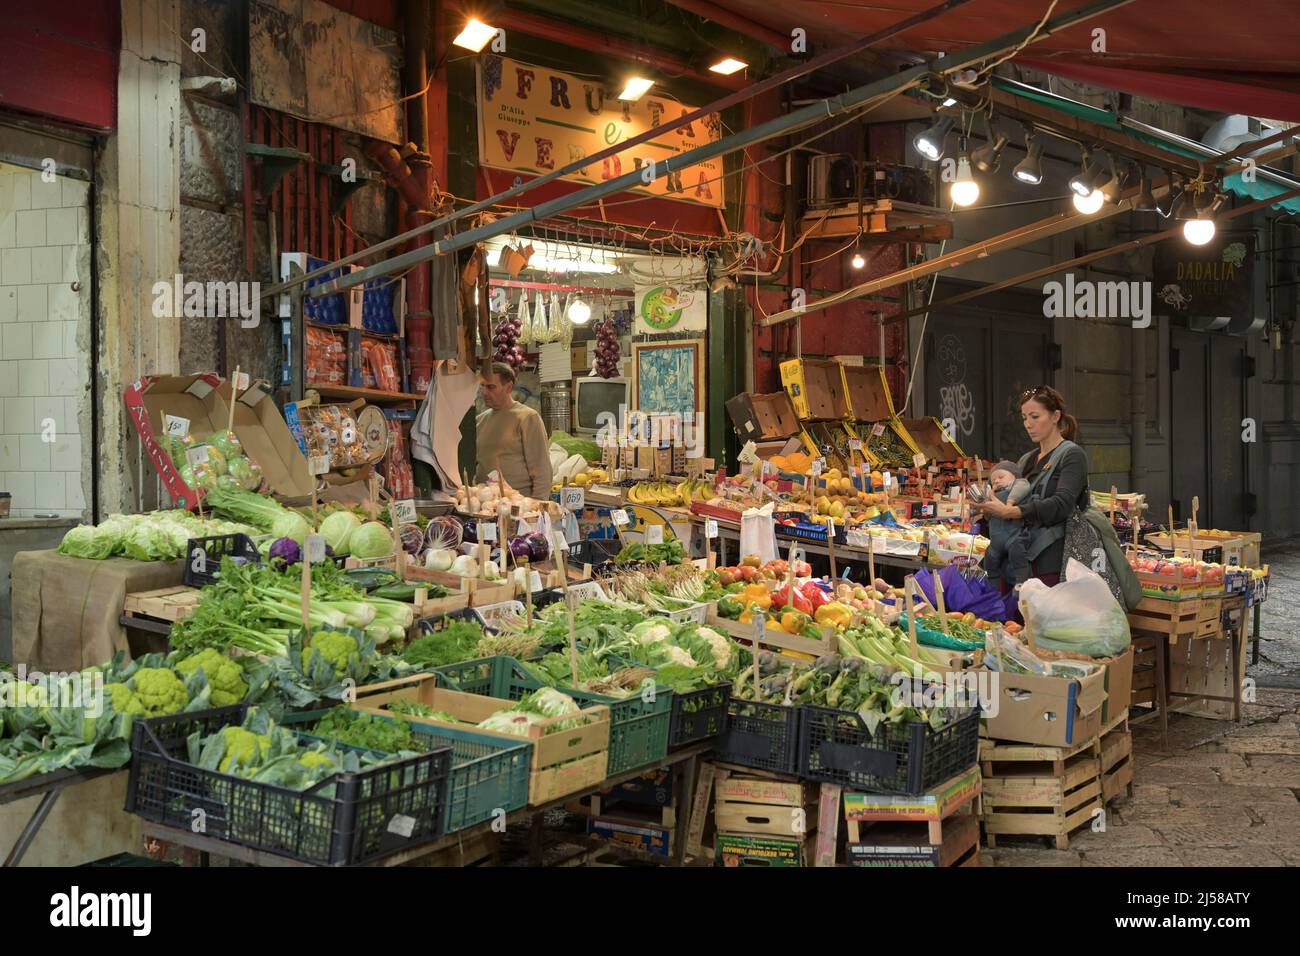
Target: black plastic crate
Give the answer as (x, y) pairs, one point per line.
(203, 556)
(434, 624)
(698, 715)
(346, 819)
(598, 552)
(763, 736)
(905, 758)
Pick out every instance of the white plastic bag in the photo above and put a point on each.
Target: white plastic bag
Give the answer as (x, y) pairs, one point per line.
(758, 533)
(1079, 615)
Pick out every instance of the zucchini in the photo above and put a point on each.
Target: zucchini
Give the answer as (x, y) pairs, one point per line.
(370, 578)
(396, 592)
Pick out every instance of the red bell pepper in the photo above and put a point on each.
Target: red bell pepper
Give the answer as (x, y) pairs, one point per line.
(815, 595)
(782, 599)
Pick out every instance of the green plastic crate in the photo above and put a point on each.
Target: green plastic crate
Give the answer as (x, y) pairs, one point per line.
(487, 773)
(638, 733)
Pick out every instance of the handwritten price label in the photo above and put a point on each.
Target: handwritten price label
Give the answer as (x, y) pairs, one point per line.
(619, 516)
(487, 531)
(314, 548)
(710, 528)
(749, 454)
(878, 429)
(240, 381)
(918, 460)
(654, 534)
(818, 465)
(318, 465)
(573, 499)
(855, 444)
(404, 511)
(198, 455)
(177, 427)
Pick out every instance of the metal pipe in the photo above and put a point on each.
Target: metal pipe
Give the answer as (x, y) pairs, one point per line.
(717, 106)
(782, 124)
(1137, 410)
(706, 10)
(1280, 179)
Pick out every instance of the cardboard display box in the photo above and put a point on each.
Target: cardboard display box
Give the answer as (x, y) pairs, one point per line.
(205, 400)
(929, 436)
(816, 388)
(742, 849)
(626, 829)
(1053, 711)
(868, 394)
(1119, 685)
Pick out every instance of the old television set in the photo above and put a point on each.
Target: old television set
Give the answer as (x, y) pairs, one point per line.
(595, 396)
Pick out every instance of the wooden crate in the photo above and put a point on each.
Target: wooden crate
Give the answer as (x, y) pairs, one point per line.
(1171, 619)
(1116, 759)
(164, 604)
(1039, 791)
(758, 805)
(1204, 667)
(937, 828)
(1143, 692)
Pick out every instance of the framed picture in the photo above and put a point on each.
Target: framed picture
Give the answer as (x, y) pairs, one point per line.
(668, 378)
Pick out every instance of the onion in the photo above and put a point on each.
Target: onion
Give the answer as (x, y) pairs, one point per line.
(440, 559)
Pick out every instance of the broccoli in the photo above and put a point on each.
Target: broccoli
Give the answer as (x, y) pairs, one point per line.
(123, 700)
(335, 647)
(243, 748)
(160, 691)
(225, 676)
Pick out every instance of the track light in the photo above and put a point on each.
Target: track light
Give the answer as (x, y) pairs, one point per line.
(636, 88)
(987, 157)
(475, 36)
(964, 190)
(929, 142)
(1110, 189)
(1030, 169)
(1146, 201)
(1088, 178)
(1184, 207)
(728, 66)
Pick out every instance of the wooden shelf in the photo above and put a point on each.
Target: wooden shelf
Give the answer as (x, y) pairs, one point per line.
(881, 219)
(375, 395)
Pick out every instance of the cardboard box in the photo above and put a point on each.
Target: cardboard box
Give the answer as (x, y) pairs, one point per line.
(901, 844)
(205, 400)
(929, 436)
(868, 394)
(1119, 685)
(638, 834)
(580, 357)
(769, 416)
(1052, 711)
(816, 388)
(743, 849)
(654, 789)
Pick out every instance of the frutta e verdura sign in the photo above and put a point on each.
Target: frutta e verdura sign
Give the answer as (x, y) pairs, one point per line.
(1206, 281)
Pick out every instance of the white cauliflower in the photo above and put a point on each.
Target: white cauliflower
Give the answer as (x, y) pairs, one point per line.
(679, 655)
(720, 645)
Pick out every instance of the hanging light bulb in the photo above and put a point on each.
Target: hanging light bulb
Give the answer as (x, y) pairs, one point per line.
(1090, 203)
(579, 312)
(964, 190)
(1030, 169)
(857, 260)
(929, 142)
(1198, 231)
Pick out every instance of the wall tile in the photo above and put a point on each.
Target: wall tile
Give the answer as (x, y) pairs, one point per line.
(66, 376)
(8, 303)
(8, 223)
(70, 349)
(49, 407)
(19, 414)
(51, 493)
(33, 304)
(46, 195)
(9, 453)
(72, 412)
(16, 266)
(47, 264)
(8, 378)
(34, 377)
(20, 484)
(74, 191)
(34, 454)
(61, 227)
(62, 302)
(72, 265)
(16, 341)
(31, 228)
(76, 494)
(47, 340)
(16, 184)
(65, 454)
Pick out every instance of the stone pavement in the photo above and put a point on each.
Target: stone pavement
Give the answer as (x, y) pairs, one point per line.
(1222, 794)
(1279, 625)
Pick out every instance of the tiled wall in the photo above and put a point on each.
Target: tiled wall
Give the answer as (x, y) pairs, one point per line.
(44, 340)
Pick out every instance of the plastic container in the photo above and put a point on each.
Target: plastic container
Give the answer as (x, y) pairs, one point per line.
(906, 758)
(759, 735)
(698, 715)
(203, 556)
(345, 820)
(597, 552)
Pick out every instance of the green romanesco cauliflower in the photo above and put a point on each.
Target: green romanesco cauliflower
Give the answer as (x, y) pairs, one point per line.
(160, 691)
(337, 648)
(225, 677)
(123, 700)
(315, 758)
(243, 748)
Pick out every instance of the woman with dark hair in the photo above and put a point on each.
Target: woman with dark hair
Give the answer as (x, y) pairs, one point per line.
(1057, 472)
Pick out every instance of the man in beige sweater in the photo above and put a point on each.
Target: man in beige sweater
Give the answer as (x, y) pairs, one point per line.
(511, 436)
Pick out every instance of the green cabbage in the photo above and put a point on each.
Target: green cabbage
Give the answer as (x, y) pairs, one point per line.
(371, 540)
(291, 525)
(226, 443)
(337, 528)
(585, 447)
(86, 541)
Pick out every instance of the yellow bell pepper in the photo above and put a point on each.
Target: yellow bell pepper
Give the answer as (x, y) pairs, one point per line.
(835, 614)
(756, 595)
(793, 622)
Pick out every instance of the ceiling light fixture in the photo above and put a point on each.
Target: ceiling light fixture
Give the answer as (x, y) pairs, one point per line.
(1088, 177)
(964, 189)
(1110, 189)
(1090, 203)
(475, 36)
(1201, 230)
(987, 158)
(858, 260)
(1146, 200)
(635, 88)
(728, 66)
(1030, 169)
(579, 312)
(929, 142)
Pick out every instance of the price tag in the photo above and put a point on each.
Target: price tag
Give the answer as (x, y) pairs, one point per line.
(654, 534)
(198, 455)
(817, 466)
(573, 498)
(318, 465)
(710, 528)
(766, 468)
(313, 548)
(402, 825)
(749, 454)
(177, 427)
(919, 460)
(239, 382)
(487, 531)
(855, 444)
(888, 478)
(934, 469)
(619, 516)
(404, 511)
(760, 628)
(878, 429)
(534, 581)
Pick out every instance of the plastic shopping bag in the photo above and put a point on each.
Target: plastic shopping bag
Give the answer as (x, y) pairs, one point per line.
(1079, 615)
(758, 533)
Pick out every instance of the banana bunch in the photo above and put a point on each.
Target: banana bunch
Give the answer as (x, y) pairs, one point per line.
(666, 495)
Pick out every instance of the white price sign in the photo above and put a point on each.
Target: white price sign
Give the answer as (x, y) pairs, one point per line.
(239, 381)
(177, 427)
(818, 465)
(855, 444)
(534, 581)
(313, 548)
(198, 455)
(404, 511)
(318, 465)
(619, 516)
(878, 429)
(654, 534)
(487, 531)
(573, 498)
(749, 454)
(710, 528)
(919, 460)
(888, 478)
